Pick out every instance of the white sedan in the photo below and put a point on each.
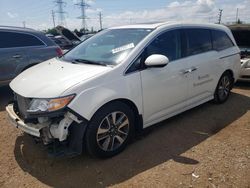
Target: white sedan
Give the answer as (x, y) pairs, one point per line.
(245, 70)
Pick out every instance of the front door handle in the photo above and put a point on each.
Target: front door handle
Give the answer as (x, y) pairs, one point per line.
(17, 56)
(185, 71)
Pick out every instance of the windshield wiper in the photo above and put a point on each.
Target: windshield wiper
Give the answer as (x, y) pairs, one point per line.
(88, 62)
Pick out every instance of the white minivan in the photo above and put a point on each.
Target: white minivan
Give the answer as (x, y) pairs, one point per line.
(121, 80)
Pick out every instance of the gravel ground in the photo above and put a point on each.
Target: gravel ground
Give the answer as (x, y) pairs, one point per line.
(208, 146)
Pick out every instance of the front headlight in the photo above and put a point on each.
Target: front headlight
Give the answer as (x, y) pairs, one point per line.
(49, 105)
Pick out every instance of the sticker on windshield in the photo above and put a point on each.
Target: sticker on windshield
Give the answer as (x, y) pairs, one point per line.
(123, 48)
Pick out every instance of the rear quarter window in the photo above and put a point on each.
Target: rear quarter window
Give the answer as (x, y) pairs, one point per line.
(12, 39)
(221, 40)
(197, 41)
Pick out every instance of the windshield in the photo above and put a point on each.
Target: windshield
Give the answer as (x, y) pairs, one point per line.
(110, 47)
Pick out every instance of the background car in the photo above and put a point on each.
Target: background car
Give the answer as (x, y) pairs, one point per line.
(62, 42)
(21, 48)
(68, 35)
(241, 34)
(245, 70)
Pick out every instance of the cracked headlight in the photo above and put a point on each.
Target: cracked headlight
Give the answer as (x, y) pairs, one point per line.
(49, 105)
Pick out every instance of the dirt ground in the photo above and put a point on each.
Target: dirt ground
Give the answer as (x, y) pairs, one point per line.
(208, 146)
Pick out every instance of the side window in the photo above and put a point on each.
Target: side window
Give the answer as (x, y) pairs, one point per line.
(167, 44)
(221, 40)
(135, 66)
(11, 39)
(197, 41)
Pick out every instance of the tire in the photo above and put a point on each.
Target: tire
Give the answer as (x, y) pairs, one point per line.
(110, 130)
(223, 88)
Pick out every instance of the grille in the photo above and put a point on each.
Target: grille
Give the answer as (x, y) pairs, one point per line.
(22, 106)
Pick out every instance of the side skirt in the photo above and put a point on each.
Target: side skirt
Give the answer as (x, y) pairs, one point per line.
(178, 112)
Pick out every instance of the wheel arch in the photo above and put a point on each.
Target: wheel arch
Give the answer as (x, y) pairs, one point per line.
(132, 105)
(230, 72)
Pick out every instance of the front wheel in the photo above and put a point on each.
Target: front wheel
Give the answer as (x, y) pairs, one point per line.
(110, 130)
(223, 88)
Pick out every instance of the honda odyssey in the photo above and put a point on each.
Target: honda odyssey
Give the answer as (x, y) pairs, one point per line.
(121, 80)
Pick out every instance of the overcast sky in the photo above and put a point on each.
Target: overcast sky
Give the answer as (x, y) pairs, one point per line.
(37, 13)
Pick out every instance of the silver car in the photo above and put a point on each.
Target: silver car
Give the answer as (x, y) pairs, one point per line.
(21, 48)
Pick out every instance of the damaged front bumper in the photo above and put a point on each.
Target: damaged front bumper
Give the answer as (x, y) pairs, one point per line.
(30, 128)
(69, 131)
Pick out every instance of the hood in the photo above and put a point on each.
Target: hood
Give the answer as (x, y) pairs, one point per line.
(51, 78)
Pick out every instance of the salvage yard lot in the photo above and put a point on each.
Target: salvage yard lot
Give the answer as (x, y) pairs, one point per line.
(208, 146)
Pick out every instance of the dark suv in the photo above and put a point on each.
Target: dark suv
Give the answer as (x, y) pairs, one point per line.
(21, 48)
(241, 34)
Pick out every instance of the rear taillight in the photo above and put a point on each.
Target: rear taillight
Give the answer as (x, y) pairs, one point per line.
(59, 52)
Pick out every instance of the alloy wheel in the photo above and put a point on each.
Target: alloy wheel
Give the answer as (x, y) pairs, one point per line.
(224, 87)
(112, 131)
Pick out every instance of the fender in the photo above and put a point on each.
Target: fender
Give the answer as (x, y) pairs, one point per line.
(90, 100)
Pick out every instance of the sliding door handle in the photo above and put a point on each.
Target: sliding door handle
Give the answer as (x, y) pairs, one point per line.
(185, 71)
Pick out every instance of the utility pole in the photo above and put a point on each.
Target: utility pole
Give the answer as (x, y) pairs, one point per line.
(220, 15)
(100, 20)
(83, 16)
(24, 24)
(61, 12)
(53, 18)
(237, 15)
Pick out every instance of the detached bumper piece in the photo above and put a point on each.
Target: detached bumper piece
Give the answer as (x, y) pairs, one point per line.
(71, 145)
(32, 129)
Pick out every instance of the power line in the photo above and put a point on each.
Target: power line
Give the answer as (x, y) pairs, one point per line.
(83, 16)
(60, 4)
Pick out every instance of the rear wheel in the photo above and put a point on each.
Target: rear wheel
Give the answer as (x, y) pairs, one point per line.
(223, 88)
(110, 130)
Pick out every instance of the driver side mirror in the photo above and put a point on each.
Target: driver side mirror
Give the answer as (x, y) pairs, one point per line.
(156, 60)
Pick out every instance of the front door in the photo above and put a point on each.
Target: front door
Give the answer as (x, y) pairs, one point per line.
(10, 60)
(165, 89)
(12, 54)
